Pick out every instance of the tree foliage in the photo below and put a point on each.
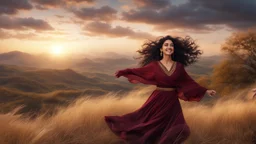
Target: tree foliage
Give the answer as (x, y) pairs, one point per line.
(238, 70)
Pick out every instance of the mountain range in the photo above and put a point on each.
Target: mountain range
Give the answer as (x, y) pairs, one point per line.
(105, 63)
(41, 83)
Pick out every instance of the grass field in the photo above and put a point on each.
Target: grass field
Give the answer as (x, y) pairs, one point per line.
(231, 121)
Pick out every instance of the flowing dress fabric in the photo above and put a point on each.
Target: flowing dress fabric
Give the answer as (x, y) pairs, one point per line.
(160, 119)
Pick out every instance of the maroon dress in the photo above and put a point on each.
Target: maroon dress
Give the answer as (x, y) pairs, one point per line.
(160, 119)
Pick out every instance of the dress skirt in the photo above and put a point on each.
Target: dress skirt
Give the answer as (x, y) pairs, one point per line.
(159, 120)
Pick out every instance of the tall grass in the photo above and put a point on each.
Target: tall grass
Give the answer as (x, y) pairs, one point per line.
(226, 122)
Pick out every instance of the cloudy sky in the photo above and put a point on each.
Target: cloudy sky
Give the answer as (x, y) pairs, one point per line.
(91, 26)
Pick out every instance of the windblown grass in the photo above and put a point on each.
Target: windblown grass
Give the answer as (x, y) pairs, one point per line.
(226, 122)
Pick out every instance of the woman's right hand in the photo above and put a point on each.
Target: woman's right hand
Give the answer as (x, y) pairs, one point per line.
(119, 73)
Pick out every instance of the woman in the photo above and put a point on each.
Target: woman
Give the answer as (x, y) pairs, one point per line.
(160, 119)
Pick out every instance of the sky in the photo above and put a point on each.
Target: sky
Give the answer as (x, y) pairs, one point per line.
(122, 26)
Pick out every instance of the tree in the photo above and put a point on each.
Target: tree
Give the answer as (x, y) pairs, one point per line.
(204, 81)
(238, 70)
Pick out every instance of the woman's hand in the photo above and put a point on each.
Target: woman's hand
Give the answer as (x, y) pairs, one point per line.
(211, 93)
(119, 73)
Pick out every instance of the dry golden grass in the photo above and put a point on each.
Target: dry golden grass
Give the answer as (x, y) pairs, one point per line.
(226, 122)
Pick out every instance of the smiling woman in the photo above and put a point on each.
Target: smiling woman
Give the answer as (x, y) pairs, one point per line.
(160, 119)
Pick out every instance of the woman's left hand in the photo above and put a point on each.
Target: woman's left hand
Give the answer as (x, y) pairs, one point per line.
(211, 92)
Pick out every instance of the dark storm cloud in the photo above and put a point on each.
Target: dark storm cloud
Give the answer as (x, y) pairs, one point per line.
(105, 29)
(104, 13)
(198, 14)
(44, 4)
(12, 6)
(23, 23)
(152, 3)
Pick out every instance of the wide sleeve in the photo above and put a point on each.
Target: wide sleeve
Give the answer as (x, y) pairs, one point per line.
(145, 74)
(188, 89)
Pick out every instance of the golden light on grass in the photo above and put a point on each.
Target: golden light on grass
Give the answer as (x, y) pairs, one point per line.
(226, 122)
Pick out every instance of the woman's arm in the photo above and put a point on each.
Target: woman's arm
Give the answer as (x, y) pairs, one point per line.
(188, 89)
(143, 74)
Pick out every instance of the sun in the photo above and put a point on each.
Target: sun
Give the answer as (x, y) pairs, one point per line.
(57, 50)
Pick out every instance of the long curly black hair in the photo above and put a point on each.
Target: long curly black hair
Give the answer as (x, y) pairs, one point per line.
(185, 50)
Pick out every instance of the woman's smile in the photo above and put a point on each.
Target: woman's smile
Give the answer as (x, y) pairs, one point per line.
(168, 47)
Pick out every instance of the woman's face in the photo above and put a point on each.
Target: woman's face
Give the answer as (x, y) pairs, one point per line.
(167, 47)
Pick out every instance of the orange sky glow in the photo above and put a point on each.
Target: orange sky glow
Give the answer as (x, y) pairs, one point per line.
(91, 26)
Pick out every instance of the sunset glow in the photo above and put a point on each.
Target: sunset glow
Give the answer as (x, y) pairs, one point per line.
(57, 50)
(119, 26)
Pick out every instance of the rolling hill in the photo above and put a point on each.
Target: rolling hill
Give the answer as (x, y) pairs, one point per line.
(105, 63)
(44, 90)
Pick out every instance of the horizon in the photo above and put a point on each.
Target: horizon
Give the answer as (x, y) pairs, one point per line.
(100, 54)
